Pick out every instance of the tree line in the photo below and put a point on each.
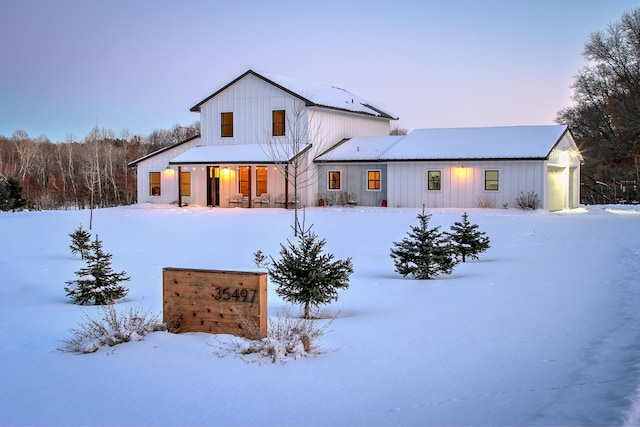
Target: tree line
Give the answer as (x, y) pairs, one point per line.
(93, 172)
(605, 115)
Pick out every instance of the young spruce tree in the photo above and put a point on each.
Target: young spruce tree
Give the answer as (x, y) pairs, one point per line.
(80, 242)
(467, 240)
(97, 283)
(305, 275)
(425, 253)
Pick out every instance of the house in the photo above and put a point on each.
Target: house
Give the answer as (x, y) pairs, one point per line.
(258, 136)
(459, 168)
(263, 135)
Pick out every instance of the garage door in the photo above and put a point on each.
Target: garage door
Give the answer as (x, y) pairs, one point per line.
(556, 190)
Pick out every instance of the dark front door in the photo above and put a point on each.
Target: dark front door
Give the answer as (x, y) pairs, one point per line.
(213, 186)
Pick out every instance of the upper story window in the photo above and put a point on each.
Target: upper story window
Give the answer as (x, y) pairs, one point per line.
(278, 122)
(491, 180)
(154, 183)
(334, 180)
(226, 121)
(434, 180)
(373, 180)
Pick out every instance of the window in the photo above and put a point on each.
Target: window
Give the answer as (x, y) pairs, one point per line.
(491, 180)
(243, 180)
(334, 180)
(185, 183)
(434, 180)
(278, 123)
(373, 180)
(154, 183)
(261, 180)
(226, 119)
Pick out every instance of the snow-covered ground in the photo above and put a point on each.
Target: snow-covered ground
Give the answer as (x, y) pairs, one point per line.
(543, 329)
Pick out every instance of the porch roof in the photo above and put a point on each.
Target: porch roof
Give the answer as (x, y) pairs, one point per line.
(242, 153)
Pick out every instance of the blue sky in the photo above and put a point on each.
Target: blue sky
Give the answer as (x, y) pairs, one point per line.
(69, 65)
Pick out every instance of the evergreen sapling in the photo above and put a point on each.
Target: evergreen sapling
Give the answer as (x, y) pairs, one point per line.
(425, 253)
(467, 240)
(305, 275)
(80, 242)
(97, 283)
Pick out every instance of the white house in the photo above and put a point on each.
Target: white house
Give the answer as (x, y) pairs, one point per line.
(260, 132)
(461, 168)
(252, 131)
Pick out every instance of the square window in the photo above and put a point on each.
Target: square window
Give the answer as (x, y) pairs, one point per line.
(334, 180)
(154, 183)
(226, 120)
(373, 180)
(491, 180)
(434, 180)
(278, 122)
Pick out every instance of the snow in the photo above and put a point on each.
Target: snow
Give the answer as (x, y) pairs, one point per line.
(247, 153)
(542, 330)
(325, 95)
(508, 142)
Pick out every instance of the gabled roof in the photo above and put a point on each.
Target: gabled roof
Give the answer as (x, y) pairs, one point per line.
(312, 94)
(509, 142)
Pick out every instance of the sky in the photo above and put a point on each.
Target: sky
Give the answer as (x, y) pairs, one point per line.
(132, 67)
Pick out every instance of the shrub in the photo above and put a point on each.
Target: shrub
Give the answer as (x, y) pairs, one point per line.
(425, 253)
(528, 201)
(485, 202)
(110, 329)
(288, 337)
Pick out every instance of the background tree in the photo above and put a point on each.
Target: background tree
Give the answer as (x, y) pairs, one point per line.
(467, 240)
(425, 253)
(97, 283)
(307, 276)
(605, 115)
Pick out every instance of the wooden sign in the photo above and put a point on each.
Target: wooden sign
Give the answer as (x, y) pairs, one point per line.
(218, 302)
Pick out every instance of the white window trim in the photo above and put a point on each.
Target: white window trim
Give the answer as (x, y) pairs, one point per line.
(328, 173)
(367, 180)
(484, 180)
(427, 176)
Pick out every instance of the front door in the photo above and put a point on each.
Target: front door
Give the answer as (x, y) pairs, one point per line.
(213, 186)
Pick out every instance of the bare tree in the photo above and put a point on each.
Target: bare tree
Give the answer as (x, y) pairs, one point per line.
(291, 154)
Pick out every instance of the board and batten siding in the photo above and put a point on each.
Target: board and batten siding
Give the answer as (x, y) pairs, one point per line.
(353, 179)
(252, 101)
(462, 183)
(168, 177)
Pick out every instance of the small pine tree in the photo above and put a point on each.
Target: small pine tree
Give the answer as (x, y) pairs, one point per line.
(467, 240)
(80, 242)
(307, 276)
(425, 253)
(97, 283)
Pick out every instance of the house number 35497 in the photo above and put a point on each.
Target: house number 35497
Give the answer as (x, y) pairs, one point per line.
(234, 294)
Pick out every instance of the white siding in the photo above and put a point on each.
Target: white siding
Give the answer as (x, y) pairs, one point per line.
(169, 177)
(251, 100)
(462, 183)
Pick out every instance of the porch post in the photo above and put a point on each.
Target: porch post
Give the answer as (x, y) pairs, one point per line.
(179, 186)
(286, 186)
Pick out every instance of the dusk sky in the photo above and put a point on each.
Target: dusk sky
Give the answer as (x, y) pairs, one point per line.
(69, 65)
